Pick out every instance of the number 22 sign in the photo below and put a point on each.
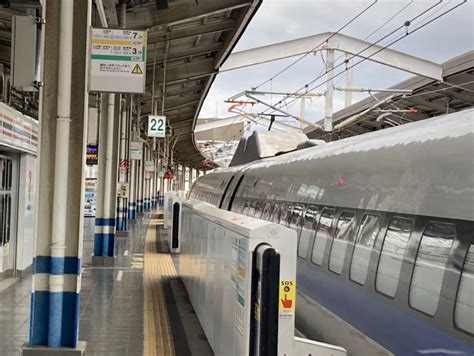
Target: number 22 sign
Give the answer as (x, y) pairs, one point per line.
(156, 126)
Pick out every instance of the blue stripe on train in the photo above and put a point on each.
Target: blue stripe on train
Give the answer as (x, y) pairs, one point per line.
(395, 330)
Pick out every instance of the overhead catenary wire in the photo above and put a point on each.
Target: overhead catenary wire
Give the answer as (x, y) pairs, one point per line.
(317, 46)
(358, 15)
(298, 94)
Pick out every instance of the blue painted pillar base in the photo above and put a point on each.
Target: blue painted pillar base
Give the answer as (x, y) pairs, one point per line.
(54, 315)
(104, 238)
(132, 211)
(146, 204)
(122, 219)
(140, 206)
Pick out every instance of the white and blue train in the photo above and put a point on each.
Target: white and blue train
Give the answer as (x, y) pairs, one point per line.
(385, 226)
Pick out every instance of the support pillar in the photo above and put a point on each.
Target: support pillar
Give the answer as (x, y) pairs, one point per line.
(140, 183)
(54, 321)
(104, 238)
(122, 198)
(329, 90)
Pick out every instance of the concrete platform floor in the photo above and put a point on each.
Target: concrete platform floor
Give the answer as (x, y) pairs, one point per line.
(111, 306)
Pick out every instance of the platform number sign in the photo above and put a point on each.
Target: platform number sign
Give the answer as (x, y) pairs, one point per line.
(156, 126)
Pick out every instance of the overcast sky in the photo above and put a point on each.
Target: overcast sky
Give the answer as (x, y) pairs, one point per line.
(282, 20)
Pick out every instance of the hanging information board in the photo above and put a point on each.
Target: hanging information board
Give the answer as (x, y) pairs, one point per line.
(118, 61)
(156, 126)
(136, 149)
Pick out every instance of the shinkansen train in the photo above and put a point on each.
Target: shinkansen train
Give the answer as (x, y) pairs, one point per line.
(385, 226)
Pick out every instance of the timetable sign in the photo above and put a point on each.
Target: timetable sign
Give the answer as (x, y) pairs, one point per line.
(118, 61)
(156, 126)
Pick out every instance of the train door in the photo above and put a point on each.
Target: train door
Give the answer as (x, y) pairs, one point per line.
(8, 202)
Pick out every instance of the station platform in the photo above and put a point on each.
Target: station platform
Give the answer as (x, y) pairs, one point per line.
(138, 308)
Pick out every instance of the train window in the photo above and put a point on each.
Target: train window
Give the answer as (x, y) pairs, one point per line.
(391, 256)
(342, 238)
(297, 216)
(323, 234)
(464, 310)
(309, 227)
(430, 265)
(365, 241)
(276, 213)
(267, 211)
(247, 207)
(258, 209)
(284, 210)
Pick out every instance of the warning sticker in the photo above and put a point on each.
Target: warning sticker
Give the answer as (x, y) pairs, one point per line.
(137, 69)
(286, 306)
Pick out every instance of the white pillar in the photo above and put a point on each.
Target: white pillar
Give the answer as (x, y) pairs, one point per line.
(58, 244)
(329, 90)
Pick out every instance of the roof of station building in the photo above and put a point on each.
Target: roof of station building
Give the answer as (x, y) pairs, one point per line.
(428, 98)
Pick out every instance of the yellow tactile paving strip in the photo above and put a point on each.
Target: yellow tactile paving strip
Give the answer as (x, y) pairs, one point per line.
(158, 339)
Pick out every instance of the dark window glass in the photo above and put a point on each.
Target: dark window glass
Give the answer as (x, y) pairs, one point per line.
(258, 209)
(284, 210)
(267, 211)
(323, 234)
(276, 213)
(430, 265)
(343, 237)
(247, 207)
(391, 256)
(365, 241)
(464, 310)
(309, 227)
(297, 216)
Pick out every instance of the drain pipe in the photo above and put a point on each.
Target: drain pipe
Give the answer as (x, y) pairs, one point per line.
(61, 162)
(109, 156)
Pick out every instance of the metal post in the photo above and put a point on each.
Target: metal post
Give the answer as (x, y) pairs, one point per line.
(122, 209)
(348, 96)
(122, 198)
(132, 203)
(329, 90)
(302, 111)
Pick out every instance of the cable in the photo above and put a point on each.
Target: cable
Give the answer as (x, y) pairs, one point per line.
(450, 85)
(381, 49)
(363, 50)
(316, 47)
(371, 45)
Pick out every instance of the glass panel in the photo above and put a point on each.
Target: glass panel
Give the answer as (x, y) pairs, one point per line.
(430, 265)
(307, 231)
(276, 213)
(391, 257)
(368, 231)
(342, 238)
(464, 312)
(323, 234)
(267, 211)
(283, 213)
(247, 207)
(258, 209)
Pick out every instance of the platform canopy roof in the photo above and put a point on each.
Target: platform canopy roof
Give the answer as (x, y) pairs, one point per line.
(428, 98)
(191, 38)
(188, 40)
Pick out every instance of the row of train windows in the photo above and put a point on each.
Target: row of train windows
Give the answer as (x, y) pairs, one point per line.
(430, 263)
